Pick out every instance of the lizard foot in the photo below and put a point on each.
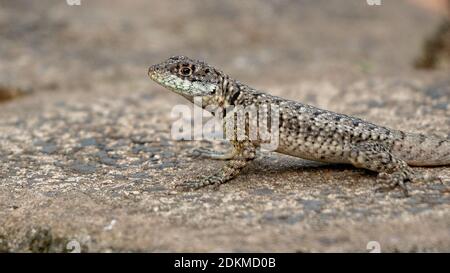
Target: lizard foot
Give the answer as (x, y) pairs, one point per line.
(190, 185)
(391, 181)
(211, 154)
(399, 179)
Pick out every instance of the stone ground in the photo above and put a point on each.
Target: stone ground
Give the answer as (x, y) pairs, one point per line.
(85, 146)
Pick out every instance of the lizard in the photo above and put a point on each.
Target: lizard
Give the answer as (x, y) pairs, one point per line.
(304, 131)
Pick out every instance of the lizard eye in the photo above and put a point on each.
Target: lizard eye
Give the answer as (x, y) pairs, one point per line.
(185, 71)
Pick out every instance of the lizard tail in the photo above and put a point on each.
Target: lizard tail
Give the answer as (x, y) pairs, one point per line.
(421, 150)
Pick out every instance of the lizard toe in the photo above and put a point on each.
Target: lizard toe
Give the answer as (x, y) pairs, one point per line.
(189, 185)
(387, 182)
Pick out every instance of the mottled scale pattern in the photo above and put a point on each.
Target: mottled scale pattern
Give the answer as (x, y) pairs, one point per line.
(304, 131)
(316, 134)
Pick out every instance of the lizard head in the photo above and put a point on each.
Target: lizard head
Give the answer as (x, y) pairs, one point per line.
(187, 77)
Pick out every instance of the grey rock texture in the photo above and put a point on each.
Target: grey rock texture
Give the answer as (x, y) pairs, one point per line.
(86, 154)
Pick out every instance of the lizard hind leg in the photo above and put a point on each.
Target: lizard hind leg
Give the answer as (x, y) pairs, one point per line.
(392, 172)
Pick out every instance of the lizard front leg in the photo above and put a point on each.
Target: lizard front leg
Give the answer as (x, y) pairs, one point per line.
(211, 154)
(243, 152)
(392, 172)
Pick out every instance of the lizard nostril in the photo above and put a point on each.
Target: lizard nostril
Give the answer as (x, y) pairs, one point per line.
(153, 68)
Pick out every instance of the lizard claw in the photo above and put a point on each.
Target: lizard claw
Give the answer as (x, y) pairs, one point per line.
(388, 182)
(187, 186)
(198, 183)
(190, 185)
(195, 153)
(210, 154)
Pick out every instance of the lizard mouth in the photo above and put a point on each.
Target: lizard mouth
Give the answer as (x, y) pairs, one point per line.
(156, 76)
(161, 79)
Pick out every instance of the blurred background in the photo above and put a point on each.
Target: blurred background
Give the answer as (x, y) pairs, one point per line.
(50, 45)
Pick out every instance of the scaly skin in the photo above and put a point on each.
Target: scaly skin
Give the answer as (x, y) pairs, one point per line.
(304, 131)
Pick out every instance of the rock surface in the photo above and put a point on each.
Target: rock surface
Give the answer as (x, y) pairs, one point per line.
(87, 158)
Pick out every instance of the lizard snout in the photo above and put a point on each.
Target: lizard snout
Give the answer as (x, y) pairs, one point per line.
(152, 69)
